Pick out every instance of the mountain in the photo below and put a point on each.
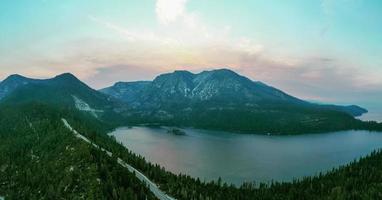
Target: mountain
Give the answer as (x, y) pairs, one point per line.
(223, 99)
(127, 92)
(40, 158)
(217, 99)
(12, 82)
(63, 90)
(219, 86)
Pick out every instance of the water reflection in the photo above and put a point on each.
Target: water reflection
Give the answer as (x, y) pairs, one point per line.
(238, 157)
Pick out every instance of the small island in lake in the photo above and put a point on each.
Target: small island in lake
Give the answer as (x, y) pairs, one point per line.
(176, 131)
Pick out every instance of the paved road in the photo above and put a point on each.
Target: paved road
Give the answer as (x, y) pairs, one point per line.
(152, 186)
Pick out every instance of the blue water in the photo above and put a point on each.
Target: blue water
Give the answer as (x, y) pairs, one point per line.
(239, 157)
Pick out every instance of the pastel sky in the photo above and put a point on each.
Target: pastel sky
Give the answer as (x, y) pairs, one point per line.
(323, 50)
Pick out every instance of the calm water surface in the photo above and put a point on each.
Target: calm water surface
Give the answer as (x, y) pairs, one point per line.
(237, 157)
(374, 114)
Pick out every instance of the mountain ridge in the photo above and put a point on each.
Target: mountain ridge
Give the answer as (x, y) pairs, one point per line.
(64, 90)
(190, 84)
(216, 99)
(202, 86)
(223, 99)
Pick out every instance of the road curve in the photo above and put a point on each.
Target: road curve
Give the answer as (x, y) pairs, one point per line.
(152, 186)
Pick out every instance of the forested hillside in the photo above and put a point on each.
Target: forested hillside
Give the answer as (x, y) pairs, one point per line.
(224, 100)
(358, 180)
(41, 159)
(218, 99)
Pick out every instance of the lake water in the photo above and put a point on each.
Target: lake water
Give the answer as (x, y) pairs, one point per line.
(374, 114)
(240, 157)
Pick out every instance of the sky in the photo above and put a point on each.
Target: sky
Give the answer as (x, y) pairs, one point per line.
(321, 50)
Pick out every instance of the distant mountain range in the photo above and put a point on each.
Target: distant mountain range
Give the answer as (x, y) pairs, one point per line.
(221, 87)
(217, 99)
(223, 99)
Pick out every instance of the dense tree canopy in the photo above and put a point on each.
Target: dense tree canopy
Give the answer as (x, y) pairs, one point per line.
(40, 158)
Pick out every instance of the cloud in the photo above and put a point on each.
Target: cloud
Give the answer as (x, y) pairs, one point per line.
(185, 41)
(325, 79)
(169, 10)
(101, 62)
(130, 36)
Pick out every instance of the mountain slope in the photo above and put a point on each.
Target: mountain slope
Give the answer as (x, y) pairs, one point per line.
(128, 92)
(42, 159)
(12, 82)
(63, 90)
(220, 85)
(218, 99)
(223, 99)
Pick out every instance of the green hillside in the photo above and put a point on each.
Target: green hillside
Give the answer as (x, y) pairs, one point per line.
(224, 100)
(40, 158)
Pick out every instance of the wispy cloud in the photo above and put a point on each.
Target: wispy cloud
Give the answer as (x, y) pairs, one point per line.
(183, 40)
(130, 36)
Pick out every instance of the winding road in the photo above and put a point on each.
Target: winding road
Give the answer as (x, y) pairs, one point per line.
(151, 185)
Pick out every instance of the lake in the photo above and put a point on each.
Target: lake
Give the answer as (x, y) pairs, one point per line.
(247, 157)
(374, 114)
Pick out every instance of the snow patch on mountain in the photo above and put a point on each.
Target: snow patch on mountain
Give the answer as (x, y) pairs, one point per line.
(83, 106)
